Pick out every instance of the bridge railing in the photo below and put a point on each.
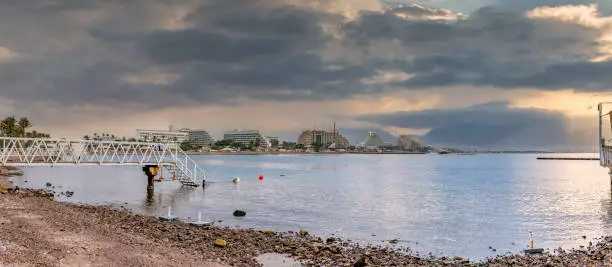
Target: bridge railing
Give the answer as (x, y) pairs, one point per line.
(49, 151)
(605, 134)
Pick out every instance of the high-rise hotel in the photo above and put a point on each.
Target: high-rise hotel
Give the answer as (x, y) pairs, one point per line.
(245, 137)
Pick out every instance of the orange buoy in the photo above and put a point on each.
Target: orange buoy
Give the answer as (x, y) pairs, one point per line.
(261, 177)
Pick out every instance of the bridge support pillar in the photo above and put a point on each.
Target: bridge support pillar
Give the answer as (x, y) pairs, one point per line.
(151, 171)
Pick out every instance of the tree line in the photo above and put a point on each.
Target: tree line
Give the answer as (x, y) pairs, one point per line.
(109, 137)
(13, 127)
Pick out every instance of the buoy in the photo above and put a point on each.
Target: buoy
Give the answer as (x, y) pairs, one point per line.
(236, 180)
(261, 177)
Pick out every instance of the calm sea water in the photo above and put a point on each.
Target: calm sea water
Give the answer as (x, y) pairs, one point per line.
(445, 204)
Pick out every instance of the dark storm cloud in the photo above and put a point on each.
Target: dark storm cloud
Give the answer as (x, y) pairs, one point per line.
(172, 47)
(489, 124)
(74, 52)
(257, 51)
(605, 6)
(301, 76)
(493, 47)
(236, 31)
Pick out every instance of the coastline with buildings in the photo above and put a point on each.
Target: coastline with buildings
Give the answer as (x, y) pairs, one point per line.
(254, 142)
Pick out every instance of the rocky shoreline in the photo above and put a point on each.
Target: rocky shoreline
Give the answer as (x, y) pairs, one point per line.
(36, 230)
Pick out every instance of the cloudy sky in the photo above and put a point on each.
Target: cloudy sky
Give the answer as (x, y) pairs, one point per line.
(472, 72)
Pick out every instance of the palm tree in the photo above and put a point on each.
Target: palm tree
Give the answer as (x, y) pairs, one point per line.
(23, 124)
(9, 127)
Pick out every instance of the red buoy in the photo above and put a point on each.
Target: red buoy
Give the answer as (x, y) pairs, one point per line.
(261, 177)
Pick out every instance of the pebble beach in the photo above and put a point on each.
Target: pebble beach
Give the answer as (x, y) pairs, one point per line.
(35, 230)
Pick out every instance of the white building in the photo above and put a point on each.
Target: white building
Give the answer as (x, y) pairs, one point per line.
(373, 142)
(162, 136)
(200, 138)
(245, 137)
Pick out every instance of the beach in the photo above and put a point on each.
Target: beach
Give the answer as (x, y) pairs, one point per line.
(35, 230)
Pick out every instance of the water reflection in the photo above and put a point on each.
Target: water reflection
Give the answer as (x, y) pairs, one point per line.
(150, 193)
(606, 217)
(452, 204)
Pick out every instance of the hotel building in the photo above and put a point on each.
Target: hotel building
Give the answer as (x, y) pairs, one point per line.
(195, 137)
(200, 138)
(245, 137)
(170, 136)
(325, 138)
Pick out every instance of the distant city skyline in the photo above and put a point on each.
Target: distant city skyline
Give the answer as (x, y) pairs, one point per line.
(474, 73)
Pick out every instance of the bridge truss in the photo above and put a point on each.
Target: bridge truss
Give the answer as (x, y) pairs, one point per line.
(54, 152)
(605, 134)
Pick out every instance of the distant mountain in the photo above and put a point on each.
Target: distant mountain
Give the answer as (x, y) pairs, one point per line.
(476, 136)
(356, 136)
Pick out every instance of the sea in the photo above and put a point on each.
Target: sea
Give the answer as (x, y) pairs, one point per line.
(474, 206)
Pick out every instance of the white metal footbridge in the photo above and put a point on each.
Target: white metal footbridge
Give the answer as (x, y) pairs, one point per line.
(605, 135)
(54, 152)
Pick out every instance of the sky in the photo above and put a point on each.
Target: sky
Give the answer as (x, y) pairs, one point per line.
(482, 73)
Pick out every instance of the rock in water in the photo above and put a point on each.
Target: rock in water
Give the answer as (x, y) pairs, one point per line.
(239, 213)
(220, 243)
(48, 184)
(303, 232)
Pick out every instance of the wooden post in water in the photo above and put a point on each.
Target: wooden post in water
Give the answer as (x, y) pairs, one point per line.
(151, 172)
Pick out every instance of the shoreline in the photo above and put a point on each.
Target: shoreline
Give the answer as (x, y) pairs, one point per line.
(244, 153)
(63, 233)
(247, 153)
(37, 230)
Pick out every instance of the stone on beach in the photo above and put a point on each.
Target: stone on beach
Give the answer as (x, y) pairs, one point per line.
(220, 243)
(176, 243)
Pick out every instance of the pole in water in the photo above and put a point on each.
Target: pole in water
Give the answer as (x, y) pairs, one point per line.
(531, 249)
(200, 223)
(169, 217)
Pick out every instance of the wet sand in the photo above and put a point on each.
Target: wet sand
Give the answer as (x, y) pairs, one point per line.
(35, 230)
